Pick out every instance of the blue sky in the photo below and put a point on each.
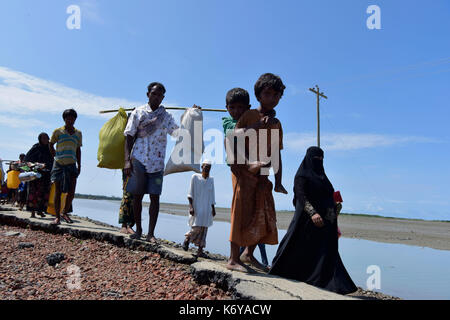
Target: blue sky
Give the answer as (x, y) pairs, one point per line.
(384, 126)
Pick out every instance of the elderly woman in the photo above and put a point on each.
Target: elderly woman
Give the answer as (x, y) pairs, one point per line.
(39, 189)
(309, 250)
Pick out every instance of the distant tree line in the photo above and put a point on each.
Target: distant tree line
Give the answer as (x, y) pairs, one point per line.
(95, 197)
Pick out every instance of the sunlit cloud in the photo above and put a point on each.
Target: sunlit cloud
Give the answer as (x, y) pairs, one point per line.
(18, 122)
(349, 141)
(24, 94)
(91, 11)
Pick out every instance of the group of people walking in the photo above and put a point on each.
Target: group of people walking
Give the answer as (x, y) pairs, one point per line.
(59, 166)
(309, 250)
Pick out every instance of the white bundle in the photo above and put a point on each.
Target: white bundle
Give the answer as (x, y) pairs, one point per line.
(189, 147)
(29, 176)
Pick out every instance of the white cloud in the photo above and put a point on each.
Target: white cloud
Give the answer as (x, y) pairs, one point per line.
(12, 145)
(91, 11)
(21, 93)
(17, 122)
(349, 141)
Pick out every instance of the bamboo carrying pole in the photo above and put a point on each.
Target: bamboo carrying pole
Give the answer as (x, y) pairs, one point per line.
(168, 108)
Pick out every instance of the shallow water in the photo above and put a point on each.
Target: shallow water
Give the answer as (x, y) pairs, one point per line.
(407, 272)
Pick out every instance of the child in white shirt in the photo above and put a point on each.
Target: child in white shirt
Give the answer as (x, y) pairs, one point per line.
(201, 208)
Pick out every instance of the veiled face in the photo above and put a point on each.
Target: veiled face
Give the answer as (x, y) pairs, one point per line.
(44, 139)
(315, 158)
(314, 152)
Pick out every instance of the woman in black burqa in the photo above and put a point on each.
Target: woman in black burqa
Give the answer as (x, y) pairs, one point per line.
(39, 189)
(309, 250)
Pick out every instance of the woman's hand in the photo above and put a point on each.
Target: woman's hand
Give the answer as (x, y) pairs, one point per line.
(317, 220)
(338, 208)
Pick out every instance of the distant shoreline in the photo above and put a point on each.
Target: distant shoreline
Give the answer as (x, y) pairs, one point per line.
(98, 197)
(415, 232)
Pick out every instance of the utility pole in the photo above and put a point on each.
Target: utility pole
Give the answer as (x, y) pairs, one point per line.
(319, 94)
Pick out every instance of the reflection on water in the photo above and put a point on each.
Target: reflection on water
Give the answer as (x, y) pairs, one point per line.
(406, 271)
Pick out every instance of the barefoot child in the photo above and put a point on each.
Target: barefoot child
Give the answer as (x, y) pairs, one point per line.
(65, 172)
(201, 208)
(253, 216)
(238, 102)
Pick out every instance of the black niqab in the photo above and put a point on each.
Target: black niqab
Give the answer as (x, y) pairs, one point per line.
(308, 253)
(319, 188)
(40, 153)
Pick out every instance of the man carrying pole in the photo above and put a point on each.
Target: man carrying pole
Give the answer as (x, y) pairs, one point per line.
(145, 149)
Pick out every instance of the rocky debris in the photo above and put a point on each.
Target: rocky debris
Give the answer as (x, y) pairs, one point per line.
(14, 234)
(112, 294)
(223, 287)
(25, 245)
(372, 295)
(103, 271)
(55, 258)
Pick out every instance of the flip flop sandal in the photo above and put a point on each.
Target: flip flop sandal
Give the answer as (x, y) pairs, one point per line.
(152, 241)
(66, 218)
(185, 245)
(136, 236)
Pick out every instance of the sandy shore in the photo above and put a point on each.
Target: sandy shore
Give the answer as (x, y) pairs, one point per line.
(432, 234)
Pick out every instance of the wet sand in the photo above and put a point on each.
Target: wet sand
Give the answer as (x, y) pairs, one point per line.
(432, 234)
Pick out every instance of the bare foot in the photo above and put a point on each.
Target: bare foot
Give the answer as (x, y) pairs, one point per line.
(152, 239)
(124, 230)
(280, 189)
(130, 230)
(56, 222)
(253, 262)
(236, 266)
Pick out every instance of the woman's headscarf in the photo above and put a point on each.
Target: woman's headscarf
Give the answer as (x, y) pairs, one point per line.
(319, 189)
(40, 153)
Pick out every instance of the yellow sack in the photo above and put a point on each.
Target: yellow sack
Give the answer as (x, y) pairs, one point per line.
(13, 179)
(51, 201)
(111, 149)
